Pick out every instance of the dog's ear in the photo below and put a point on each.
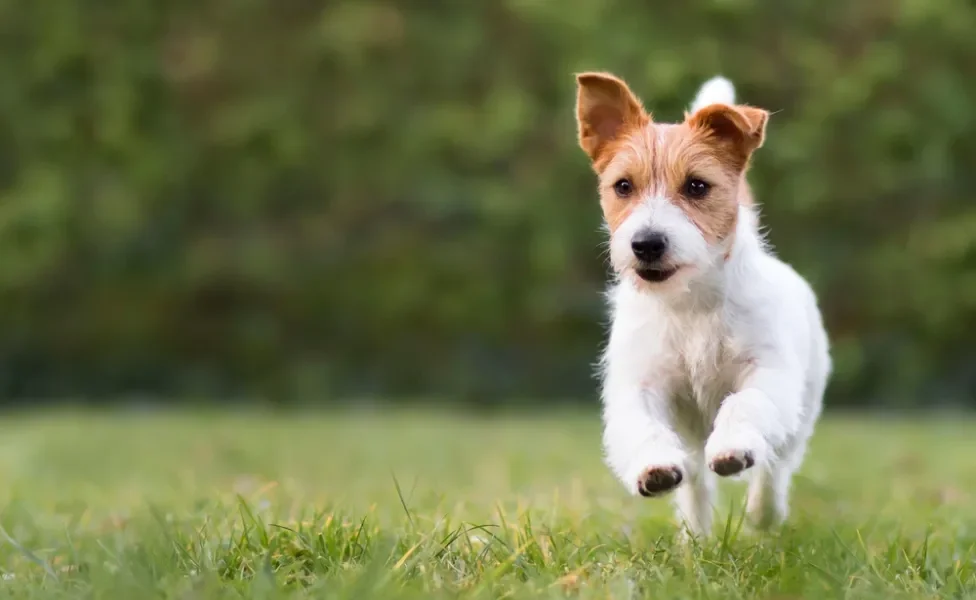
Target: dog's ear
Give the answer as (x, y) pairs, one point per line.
(605, 108)
(743, 127)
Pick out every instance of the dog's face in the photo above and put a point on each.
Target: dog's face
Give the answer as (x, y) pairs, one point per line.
(670, 192)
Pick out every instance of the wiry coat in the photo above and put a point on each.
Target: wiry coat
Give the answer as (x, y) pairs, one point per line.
(717, 358)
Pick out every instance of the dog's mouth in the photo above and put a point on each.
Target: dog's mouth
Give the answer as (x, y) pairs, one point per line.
(655, 274)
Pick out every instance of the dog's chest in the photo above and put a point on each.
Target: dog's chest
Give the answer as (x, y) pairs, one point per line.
(706, 361)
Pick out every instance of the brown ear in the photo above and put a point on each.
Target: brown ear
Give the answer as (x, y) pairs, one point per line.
(742, 126)
(605, 107)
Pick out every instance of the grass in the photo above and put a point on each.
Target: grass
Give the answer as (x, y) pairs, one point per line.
(436, 505)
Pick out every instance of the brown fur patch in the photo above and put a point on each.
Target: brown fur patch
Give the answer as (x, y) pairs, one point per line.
(741, 129)
(713, 145)
(606, 109)
(659, 159)
(745, 194)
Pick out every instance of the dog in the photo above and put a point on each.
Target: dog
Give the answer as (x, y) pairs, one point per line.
(717, 357)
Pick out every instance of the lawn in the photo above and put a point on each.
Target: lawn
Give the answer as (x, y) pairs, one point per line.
(430, 504)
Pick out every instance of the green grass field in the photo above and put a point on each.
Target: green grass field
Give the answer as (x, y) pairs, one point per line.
(430, 505)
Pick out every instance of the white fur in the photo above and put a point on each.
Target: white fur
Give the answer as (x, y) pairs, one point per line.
(717, 90)
(657, 212)
(728, 357)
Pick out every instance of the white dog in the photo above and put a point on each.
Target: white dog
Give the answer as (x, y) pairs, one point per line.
(717, 358)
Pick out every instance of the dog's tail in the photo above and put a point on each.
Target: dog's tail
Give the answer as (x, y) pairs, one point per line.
(717, 90)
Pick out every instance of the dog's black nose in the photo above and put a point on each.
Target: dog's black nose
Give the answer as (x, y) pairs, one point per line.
(649, 246)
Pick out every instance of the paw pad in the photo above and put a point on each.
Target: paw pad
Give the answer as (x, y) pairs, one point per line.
(730, 463)
(655, 481)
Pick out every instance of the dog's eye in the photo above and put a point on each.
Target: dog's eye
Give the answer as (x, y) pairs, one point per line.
(623, 188)
(696, 188)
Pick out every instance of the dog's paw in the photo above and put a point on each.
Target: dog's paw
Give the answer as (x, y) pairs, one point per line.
(731, 462)
(729, 451)
(656, 481)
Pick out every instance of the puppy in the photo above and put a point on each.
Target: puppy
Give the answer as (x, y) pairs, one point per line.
(717, 358)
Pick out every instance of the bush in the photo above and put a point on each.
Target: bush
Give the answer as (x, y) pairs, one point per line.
(372, 197)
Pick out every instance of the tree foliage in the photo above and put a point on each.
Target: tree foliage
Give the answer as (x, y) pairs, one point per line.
(364, 196)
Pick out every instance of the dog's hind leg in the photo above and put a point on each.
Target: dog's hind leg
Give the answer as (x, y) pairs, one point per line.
(767, 504)
(769, 487)
(768, 501)
(694, 502)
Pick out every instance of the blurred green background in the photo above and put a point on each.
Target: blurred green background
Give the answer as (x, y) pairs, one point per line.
(288, 199)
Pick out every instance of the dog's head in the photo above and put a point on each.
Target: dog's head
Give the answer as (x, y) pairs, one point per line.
(670, 192)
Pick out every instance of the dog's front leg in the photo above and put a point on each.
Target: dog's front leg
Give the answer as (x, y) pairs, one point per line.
(757, 421)
(646, 452)
(639, 439)
(756, 427)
